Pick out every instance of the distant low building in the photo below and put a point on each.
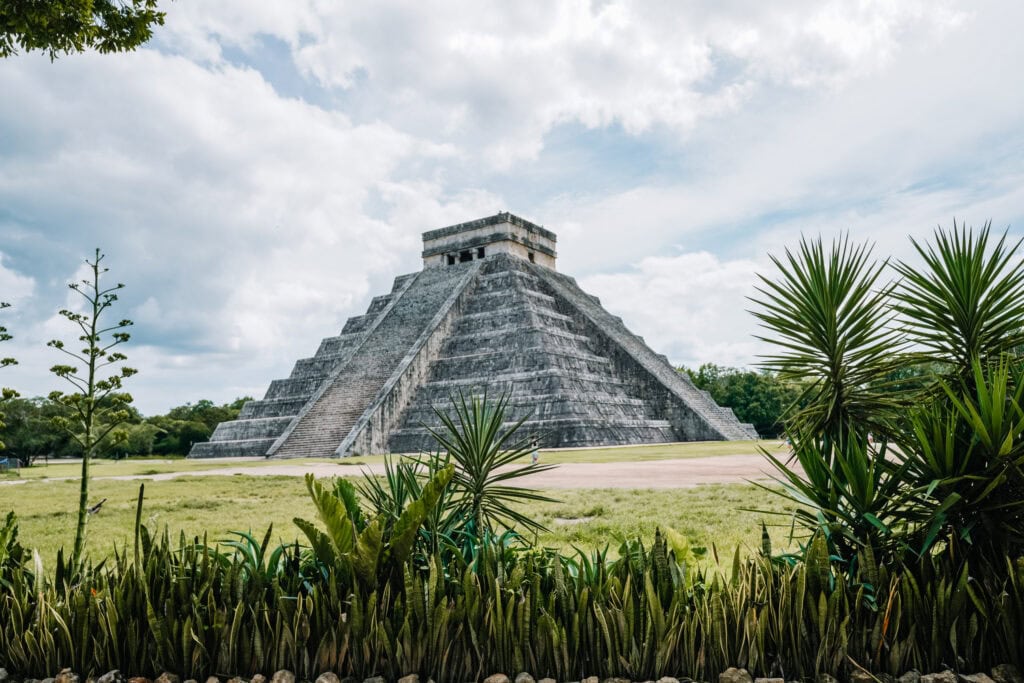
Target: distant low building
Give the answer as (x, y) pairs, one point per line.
(488, 312)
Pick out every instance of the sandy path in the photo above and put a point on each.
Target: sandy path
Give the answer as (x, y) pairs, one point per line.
(648, 474)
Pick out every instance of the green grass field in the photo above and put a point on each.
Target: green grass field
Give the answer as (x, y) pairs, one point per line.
(585, 518)
(214, 505)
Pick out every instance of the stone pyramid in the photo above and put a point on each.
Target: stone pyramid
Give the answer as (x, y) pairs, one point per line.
(488, 312)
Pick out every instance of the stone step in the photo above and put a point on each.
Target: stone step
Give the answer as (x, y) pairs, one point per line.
(560, 407)
(249, 429)
(231, 449)
(333, 345)
(274, 407)
(556, 434)
(519, 360)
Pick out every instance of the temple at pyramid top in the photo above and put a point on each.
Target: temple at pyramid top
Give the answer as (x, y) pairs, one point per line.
(503, 233)
(488, 313)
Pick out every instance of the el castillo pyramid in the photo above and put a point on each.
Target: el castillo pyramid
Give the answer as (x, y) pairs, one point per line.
(488, 312)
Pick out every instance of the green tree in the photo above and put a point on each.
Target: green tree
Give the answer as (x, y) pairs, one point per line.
(191, 423)
(65, 26)
(760, 398)
(30, 431)
(136, 439)
(96, 406)
(5, 393)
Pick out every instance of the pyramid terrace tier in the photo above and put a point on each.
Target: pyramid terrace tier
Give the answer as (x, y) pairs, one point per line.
(559, 433)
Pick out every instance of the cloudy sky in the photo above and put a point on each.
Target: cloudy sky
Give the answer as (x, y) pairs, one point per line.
(261, 169)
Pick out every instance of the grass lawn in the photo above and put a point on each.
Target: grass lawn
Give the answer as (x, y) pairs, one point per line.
(587, 518)
(57, 469)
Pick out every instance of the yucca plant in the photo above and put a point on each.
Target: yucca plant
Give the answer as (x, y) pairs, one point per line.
(967, 303)
(827, 315)
(483, 450)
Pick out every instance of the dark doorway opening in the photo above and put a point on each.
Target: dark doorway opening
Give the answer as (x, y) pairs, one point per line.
(451, 259)
(480, 252)
(530, 254)
(465, 256)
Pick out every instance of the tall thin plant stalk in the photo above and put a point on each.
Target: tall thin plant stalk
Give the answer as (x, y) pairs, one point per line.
(97, 404)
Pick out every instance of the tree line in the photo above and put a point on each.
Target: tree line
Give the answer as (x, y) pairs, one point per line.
(32, 429)
(759, 397)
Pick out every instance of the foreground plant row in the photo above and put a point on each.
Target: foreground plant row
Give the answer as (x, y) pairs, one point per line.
(186, 608)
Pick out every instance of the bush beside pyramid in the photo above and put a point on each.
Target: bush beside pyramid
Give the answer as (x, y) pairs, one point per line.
(488, 312)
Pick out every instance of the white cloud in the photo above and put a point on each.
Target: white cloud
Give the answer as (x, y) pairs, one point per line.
(937, 135)
(500, 76)
(689, 306)
(15, 287)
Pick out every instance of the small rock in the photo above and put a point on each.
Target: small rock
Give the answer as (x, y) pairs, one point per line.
(212, 679)
(167, 677)
(1006, 673)
(827, 678)
(191, 680)
(668, 679)
(49, 680)
(258, 678)
(374, 679)
(946, 676)
(616, 679)
(769, 680)
(547, 680)
(975, 678)
(590, 679)
(498, 678)
(66, 676)
(3, 674)
(139, 679)
(912, 676)
(734, 675)
(283, 676)
(861, 676)
(328, 677)
(524, 677)
(411, 678)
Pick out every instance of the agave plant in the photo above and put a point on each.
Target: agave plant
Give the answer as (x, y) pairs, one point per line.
(366, 549)
(963, 455)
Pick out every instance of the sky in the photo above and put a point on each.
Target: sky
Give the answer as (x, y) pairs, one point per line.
(260, 170)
